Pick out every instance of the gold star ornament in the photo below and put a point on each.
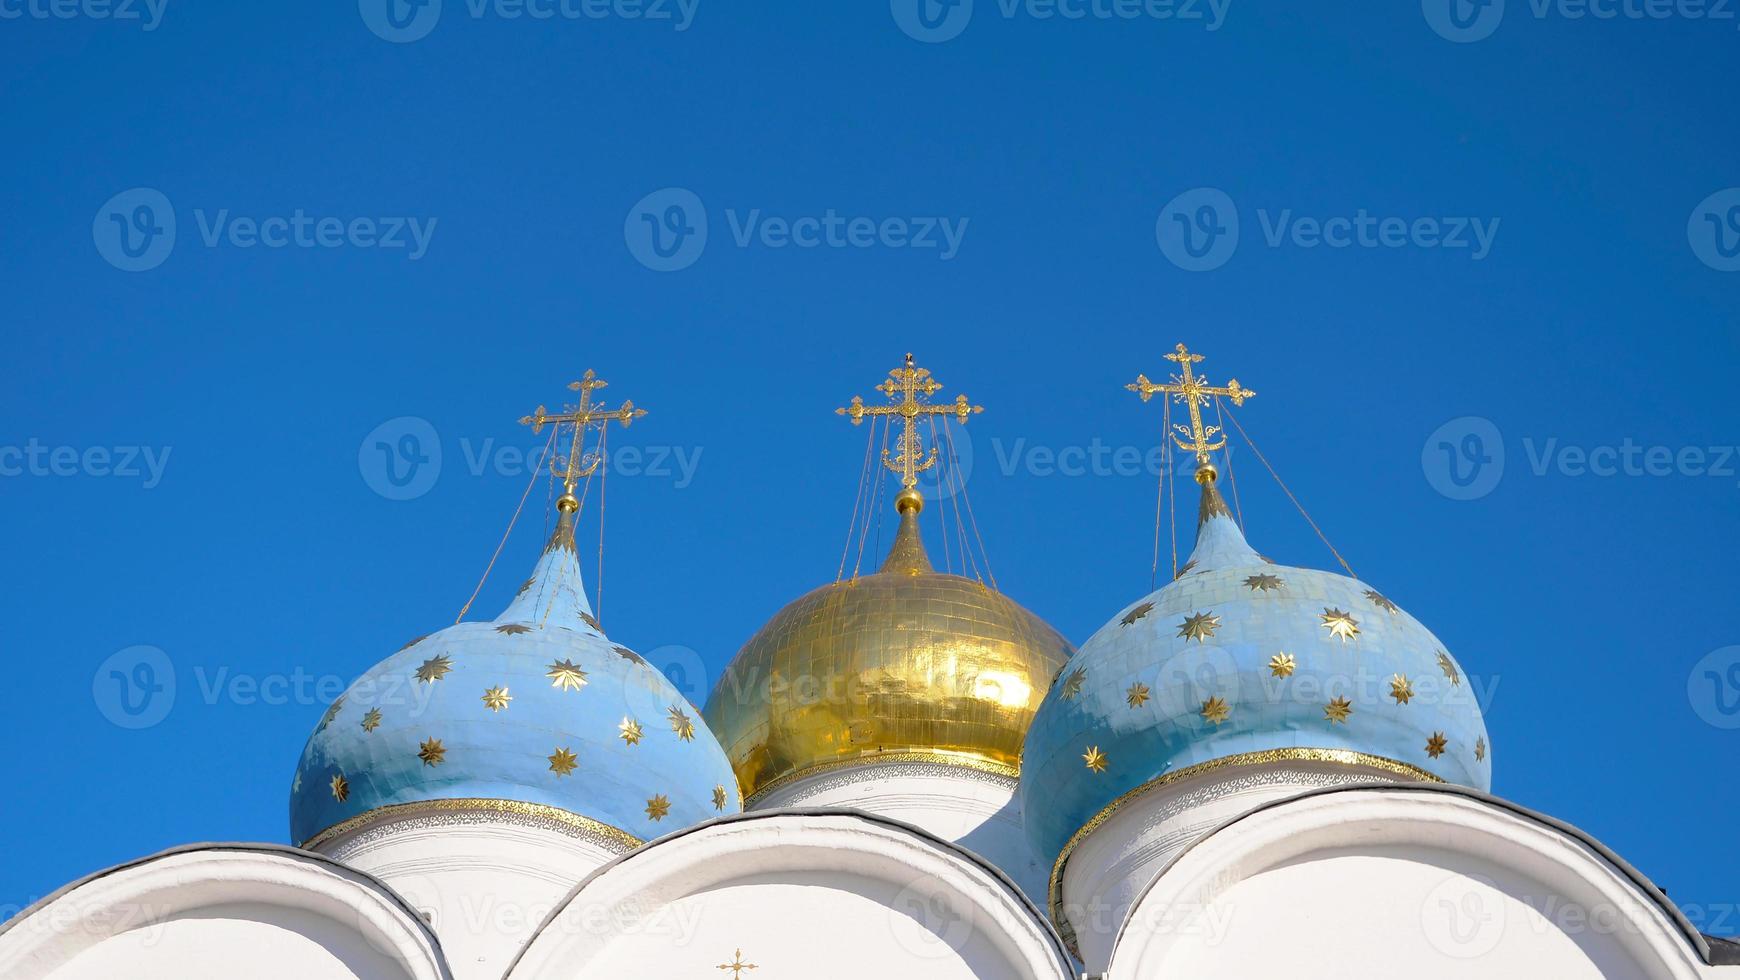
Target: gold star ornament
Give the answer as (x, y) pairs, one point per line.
(432, 752)
(372, 720)
(658, 807)
(1401, 689)
(682, 724)
(1480, 749)
(434, 669)
(563, 761)
(1263, 583)
(1380, 602)
(1338, 710)
(1072, 684)
(496, 698)
(1137, 613)
(566, 675)
(1340, 625)
(1199, 627)
(1095, 759)
(718, 797)
(1282, 664)
(629, 731)
(1137, 695)
(513, 629)
(1446, 665)
(332, 711)
(1215, 710)
(1435, 745)
(340, 788)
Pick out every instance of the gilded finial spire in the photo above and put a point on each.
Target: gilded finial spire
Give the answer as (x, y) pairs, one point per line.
(909, 388)
(1193, 391)
(575, 466)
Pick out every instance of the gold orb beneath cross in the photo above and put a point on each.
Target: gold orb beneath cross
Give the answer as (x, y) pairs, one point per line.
(909, 500)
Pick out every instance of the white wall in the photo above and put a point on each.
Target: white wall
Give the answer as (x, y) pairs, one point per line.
(1384, 882)
(1109, 868)
(977, 810)
(225, 942)
(483, 878)
(218, 913)
(802, 895)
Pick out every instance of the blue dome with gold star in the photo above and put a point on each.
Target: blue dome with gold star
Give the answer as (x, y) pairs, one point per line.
(537, 707)
(1242, 661)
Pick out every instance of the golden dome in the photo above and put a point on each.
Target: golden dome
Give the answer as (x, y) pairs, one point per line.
(908, 663)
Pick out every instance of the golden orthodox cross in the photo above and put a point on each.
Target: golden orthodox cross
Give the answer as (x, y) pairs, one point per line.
(737, 966)
(574, 466)
(1193, 391)
(910, 389)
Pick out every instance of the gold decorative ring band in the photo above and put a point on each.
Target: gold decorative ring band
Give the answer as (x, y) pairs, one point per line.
(586, 826)
(959, 760)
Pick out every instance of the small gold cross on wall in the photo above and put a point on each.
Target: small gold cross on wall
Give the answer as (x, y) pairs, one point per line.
(737, 966)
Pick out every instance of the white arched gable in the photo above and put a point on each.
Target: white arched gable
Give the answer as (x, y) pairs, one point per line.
(221, 911)
(1428, 882)
(833, 893)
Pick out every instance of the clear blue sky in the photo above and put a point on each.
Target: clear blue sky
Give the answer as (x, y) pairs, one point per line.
(261, 550)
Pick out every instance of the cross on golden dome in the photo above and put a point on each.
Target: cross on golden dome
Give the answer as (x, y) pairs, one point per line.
(573, 467)
(909, 388)
(1193, 391)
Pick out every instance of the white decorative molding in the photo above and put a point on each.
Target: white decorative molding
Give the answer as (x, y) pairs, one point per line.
(391, 828)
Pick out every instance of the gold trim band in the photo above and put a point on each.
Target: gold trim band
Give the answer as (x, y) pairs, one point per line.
(941, 757)
(1345, 757)
(585, 825)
